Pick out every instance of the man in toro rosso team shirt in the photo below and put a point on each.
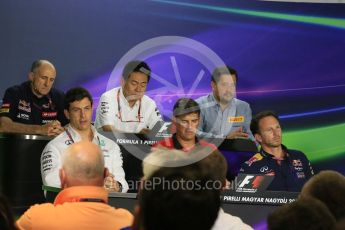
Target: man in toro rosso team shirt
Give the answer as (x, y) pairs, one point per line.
(290, 168)
(34, 107)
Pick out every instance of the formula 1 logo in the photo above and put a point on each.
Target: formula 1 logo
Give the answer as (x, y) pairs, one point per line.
(252, 183)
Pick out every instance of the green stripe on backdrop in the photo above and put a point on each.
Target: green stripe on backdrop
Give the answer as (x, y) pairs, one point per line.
(318, 143)
(323, 21)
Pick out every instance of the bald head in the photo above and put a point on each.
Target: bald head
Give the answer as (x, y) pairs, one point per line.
(38, 63)
(329, 187)
(82, 164)
(42, 76)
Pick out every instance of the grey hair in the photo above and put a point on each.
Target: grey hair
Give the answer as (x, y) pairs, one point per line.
(36, 64)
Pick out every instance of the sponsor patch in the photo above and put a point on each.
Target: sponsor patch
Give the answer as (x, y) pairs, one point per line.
(23, 116)
(297, 163)
(300, 175)
(46, 106)
(256, 157)
(24, 103)
(157, 112)
(4, 110)
(68, 142)
(102, 143)
(311, 169)
(271, 173)
(236, 119)
(6, 105)
(297, 168)
(104, 107)
(49, 114)
(25, 106)
(264, 169)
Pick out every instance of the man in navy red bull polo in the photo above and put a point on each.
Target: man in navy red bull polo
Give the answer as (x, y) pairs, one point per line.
(290, 168)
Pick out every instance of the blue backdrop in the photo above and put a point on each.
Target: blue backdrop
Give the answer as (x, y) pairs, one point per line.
(289, 56)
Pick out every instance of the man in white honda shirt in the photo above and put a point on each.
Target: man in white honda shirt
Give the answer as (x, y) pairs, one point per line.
(126, 109)
(78, 109)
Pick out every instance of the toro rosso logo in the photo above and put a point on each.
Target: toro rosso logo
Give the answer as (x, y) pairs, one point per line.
(25, 106)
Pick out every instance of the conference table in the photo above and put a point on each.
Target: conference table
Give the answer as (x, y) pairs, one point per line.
(252, 208)
(20, 177)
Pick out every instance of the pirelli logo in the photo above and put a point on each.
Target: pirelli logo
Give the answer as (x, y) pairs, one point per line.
(236, 119)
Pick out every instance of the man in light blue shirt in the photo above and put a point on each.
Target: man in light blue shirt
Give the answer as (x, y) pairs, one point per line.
(223, 115)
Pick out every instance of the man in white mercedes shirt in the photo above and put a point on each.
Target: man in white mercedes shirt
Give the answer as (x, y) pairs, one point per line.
(78, 109)
(126, 109)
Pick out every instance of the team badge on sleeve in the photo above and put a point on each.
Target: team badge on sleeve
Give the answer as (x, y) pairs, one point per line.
(5, 108)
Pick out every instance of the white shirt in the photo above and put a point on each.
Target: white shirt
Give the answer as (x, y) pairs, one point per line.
(110, 113)
(51, 158)
(225, 221)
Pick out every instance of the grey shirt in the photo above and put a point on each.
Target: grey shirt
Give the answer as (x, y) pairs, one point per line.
(217, 123)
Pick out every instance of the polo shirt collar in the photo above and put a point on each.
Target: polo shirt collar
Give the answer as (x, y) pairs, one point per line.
(76, 137)
(266, 154)
(82, 193)
(214, 100)
(27, 84)
(123, 99)
(177, 144)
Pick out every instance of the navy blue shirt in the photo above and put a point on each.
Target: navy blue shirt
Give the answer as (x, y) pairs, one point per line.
(22, 106)
(289, 173)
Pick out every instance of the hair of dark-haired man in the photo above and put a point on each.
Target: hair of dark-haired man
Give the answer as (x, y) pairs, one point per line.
(6, 216)
(254, 124)
(216, 166)
(76, 94)
(136, 66)
(329, 187)
(185, 106)
(301, 214)
(217, 72)
(183, 207)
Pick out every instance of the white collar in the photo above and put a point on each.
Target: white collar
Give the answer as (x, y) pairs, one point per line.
(76, 136)
(123, 99)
